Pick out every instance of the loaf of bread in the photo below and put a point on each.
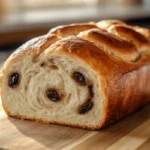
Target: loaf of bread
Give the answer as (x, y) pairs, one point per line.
(82, 75)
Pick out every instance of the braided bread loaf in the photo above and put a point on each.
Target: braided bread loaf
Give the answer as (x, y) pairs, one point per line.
(82, 75)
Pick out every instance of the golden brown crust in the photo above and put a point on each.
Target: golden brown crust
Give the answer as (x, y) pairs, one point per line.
(144, 31)
(128, 94)
(111, 44)
(141, 42)
(73, 29)
(105, 24)
(125, 77)
(36, 45)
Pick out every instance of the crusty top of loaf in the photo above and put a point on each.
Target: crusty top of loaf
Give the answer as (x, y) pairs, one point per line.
(113, 38)
(73, 29)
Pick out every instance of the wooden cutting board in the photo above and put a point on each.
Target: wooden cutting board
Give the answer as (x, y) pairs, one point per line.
(131, 133)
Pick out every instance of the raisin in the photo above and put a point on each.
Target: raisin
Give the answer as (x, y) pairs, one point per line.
(91, 92)
(86, 107)
(54, 67)
(42, 64)
(53, 95)
(13, 80)
(79, 78)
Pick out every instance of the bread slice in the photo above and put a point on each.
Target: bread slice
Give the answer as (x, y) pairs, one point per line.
(81, 75)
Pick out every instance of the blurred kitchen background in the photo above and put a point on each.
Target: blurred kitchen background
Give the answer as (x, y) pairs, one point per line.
(21, 20)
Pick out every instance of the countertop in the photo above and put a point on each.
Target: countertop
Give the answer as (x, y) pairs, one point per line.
(131, 133)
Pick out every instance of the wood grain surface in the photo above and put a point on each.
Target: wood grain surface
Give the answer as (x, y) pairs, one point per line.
(131, 133)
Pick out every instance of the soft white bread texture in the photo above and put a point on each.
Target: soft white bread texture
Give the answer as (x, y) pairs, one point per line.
(81, 75)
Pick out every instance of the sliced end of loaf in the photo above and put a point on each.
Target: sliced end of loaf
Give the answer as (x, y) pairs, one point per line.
(80, 102)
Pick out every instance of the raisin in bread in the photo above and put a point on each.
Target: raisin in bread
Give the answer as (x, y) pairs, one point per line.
(81, 75)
